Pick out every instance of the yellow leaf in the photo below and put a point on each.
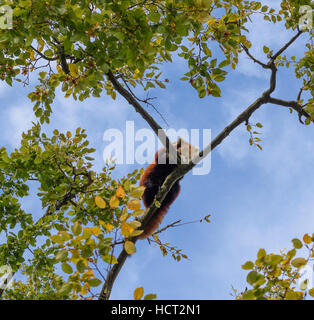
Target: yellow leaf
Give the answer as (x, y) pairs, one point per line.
(136, 74)
(211, 21)
(158, 40)
(124, 217)
(106, 225)
(110, 259)
(100, 202)
(298, 262)
(73, 69)
(32, 55)
(90, 273)
(136, 233)
(84, 291)
(69, 134)
(138, 213)
(120, 193)
(129, 247)
(137, 192)
(138, 293)
(126, 229)
(134, 205)
(114, 202)
(96, 231)
(59, 69)
(41, 44)
(134, 224)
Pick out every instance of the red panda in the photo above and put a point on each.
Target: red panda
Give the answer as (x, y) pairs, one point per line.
(153, 178)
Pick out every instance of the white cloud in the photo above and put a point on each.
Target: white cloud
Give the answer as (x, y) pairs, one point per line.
(18, 119)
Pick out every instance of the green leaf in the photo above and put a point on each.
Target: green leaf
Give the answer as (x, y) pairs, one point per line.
(94, 282)
(110, 259)
(154, 16)
(150, 296)
(76, 228)
(297, 243)
(248, 295)
(80, 266)
(275, 259)
(248, 265)
(252, 277)
(65, 289)
(291, 253)
(298, 262)
(66, 268)
(202, 93)
(160, 84)
(265, 49)
(62, 255)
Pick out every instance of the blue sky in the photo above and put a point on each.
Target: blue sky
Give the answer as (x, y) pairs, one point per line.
(257, 199)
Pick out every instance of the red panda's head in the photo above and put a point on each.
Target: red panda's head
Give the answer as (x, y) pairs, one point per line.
(187, 153)
(186, 150)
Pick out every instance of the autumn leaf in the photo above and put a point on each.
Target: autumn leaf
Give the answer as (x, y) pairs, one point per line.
(137, 192)
(129, 247)
(110, 259)
(114, 202)
(307, 239)
(126, 229)
(298, 262)
(134, 205)
(138, 293)
(120, 193)
(106, 225)
(76, 228)
(100, 202)
(73, 69)
(297, 243)
(95, 231)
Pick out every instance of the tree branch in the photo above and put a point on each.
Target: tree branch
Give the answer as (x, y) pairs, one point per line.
(280, 51)
(264, 65)
(43, 56)
(291, 104)
(146, 116)
(183, 169)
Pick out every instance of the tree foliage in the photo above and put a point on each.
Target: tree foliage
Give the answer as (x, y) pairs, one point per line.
(85, 48)
(277, 276)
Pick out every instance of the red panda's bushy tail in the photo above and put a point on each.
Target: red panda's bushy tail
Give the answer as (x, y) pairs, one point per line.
(154, 222)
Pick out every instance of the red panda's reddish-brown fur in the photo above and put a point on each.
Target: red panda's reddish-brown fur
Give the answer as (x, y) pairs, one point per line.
(152, 179)
(154, 222)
